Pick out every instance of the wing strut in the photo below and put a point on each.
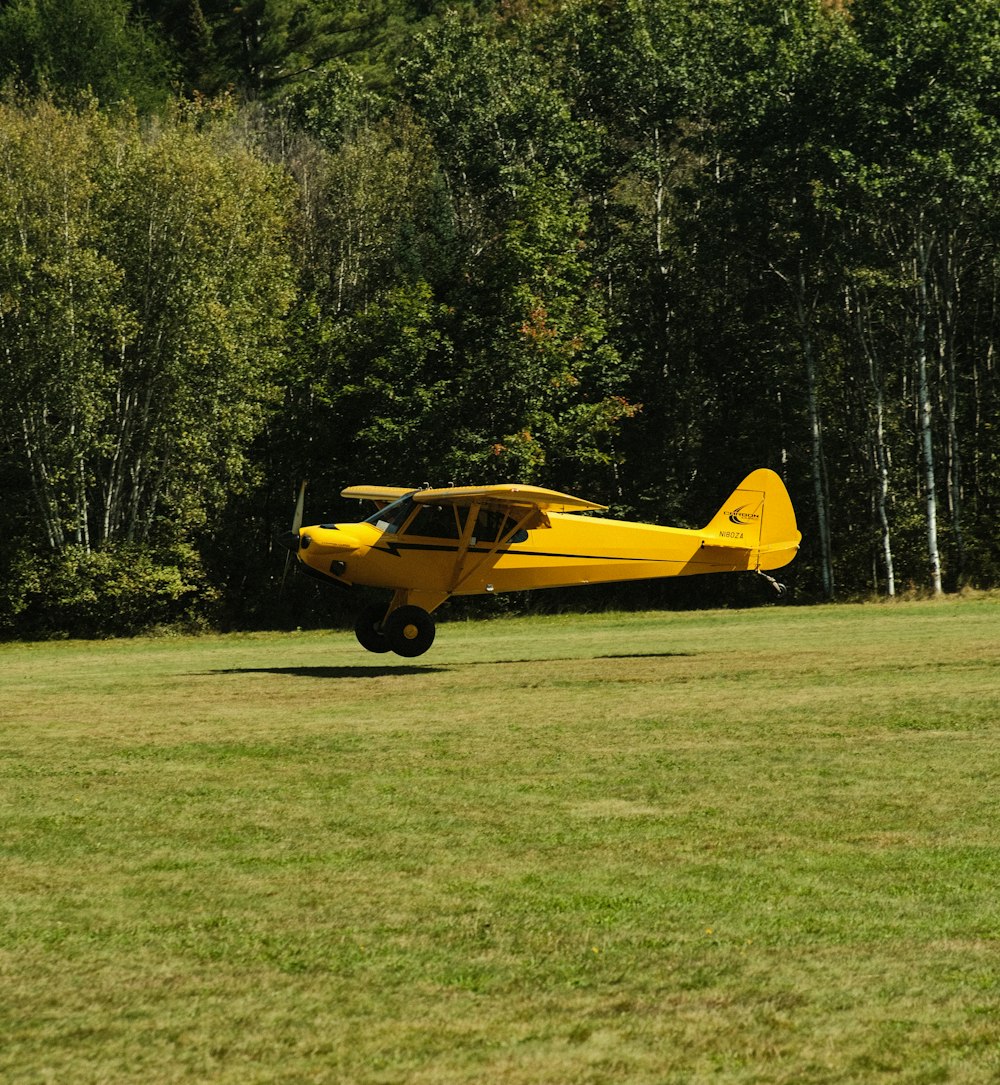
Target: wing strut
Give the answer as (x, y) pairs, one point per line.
(461, 572)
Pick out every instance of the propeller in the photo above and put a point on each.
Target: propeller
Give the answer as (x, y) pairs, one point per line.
(291, 540)
(299, 505)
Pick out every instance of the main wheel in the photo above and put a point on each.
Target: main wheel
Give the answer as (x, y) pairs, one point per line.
(409, 631)
(368, 629)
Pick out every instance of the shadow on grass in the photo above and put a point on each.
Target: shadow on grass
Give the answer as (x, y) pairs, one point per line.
(648, 655)
(567, 659)
(331, 672)
(389, 671)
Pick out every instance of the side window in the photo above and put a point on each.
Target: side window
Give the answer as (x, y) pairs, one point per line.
(493, 525)
(435, 522)
(488, 525)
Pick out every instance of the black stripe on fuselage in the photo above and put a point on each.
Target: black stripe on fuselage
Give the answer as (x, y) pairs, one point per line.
(394, 548)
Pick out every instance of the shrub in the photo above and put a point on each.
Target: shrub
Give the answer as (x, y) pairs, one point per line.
(117, 591)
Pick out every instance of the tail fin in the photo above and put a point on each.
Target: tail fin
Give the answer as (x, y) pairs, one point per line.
(757, 516)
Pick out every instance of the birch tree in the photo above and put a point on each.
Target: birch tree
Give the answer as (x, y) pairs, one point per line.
(197, 227)
(60, 310)
(924, 153)
(143, 278)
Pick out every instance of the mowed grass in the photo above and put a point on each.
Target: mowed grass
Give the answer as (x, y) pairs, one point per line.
(755, 846)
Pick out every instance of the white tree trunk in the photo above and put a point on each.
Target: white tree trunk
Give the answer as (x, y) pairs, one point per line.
(926, 410)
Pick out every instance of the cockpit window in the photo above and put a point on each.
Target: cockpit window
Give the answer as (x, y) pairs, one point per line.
(444, 522)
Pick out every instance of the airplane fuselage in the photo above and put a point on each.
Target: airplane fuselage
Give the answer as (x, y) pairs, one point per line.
(571, 550)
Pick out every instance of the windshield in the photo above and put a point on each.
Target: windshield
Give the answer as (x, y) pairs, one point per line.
(392, 517)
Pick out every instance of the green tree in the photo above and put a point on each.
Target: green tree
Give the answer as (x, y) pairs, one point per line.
(530, 328)
(641, 78)
(143, 277)
(60, 313)
(263, 47)
(920, 167)
(198, 229)
(67, 47)
(368, 230)
(773, 149)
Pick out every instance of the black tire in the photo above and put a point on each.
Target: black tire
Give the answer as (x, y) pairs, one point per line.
(368, 629)
(409, 631)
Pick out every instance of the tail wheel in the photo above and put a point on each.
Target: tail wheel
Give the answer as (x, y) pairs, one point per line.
(409, 631)
(368, 629)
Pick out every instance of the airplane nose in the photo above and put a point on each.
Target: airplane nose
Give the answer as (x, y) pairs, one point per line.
(290, 540)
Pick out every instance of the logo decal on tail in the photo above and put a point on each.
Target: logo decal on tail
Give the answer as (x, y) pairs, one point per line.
(739, 516)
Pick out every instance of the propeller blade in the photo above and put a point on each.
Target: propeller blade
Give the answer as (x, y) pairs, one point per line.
(291, 540)
(299, 506)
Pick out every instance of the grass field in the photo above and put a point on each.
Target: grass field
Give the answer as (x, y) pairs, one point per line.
(757, 846)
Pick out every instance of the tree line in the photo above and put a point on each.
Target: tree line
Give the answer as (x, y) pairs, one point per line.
(625, 248)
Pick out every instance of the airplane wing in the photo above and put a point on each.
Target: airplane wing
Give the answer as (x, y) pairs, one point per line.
(506, 496)
(381, 495)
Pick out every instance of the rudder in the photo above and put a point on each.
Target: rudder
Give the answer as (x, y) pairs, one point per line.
(758, 516)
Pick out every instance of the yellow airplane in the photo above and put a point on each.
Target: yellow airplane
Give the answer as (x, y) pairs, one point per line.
(427, 545)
